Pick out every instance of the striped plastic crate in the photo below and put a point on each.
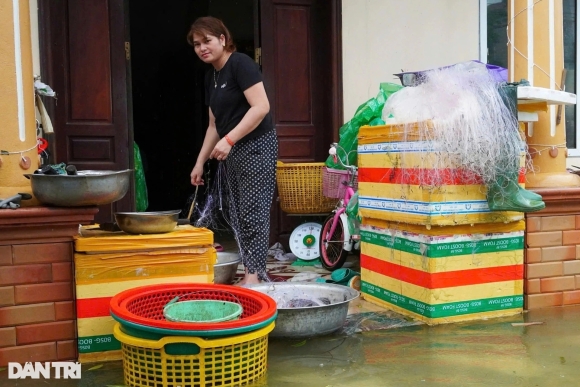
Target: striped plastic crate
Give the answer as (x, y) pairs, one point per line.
(402, 178)
(119, 262)
(446, 274)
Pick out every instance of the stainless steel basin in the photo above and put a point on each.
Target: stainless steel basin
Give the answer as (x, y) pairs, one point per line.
(226, 267)
(308, 309)
(147, 222)
(87, 188)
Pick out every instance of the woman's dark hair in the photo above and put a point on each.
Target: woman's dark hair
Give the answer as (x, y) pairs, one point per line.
(209, 25)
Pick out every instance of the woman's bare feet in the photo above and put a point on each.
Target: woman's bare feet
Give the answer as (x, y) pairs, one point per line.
(249, 279)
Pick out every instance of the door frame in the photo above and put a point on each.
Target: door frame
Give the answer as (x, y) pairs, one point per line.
(336, 70)
(281, 224)
(49, 46)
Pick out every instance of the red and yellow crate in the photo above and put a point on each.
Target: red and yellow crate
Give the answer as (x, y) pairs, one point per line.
(404, 177)
(108, 263)
(443, 274)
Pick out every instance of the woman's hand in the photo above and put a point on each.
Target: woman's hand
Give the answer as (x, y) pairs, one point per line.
(197, 175)
(221, 150)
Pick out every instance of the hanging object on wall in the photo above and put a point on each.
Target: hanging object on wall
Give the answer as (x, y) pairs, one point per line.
(25, 162)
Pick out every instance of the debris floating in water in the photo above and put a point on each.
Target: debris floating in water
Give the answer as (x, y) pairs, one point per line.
(527, 323)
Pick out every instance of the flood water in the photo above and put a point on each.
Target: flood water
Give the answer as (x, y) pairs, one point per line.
(481, 353)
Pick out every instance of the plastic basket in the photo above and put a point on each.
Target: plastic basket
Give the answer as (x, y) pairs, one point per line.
(177, 361)
(201, 311)
(333, 182)
(300, 188)
(152, 333)
(144, 305)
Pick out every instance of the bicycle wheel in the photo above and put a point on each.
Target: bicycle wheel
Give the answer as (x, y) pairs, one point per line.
(332, 252)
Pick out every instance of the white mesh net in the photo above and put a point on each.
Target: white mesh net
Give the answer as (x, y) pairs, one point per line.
(467, 128)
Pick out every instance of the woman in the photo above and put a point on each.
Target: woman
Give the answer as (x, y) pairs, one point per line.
(241, 133)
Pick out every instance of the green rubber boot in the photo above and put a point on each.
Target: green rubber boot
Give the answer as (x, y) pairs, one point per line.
(530, 195)
(505, 194)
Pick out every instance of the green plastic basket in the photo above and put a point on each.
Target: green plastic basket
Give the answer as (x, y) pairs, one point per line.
(202, 311)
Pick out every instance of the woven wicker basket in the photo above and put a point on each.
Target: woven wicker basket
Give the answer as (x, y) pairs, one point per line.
(300, 189)
(333, 182)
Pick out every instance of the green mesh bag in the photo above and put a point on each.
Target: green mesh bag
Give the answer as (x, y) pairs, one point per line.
(141, 198)
(351, 210)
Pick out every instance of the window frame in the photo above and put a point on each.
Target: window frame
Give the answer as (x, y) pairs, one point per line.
(483, 51)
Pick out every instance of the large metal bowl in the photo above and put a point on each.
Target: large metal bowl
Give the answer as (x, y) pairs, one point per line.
(326, 315)
(87, 188)
(147, 222)
(226, 267)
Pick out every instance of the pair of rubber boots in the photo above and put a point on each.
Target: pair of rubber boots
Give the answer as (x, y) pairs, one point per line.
(507, 195)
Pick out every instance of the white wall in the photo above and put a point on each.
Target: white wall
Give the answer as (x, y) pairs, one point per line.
(34, 36)
(381, 37)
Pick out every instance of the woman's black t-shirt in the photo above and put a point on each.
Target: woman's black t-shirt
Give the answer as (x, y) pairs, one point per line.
(225, 95)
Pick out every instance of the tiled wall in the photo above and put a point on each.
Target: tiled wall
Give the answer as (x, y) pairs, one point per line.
(37, 316)
(552, 259)
(37, 319)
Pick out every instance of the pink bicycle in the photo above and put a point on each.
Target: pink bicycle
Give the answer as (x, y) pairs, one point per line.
(337, 238)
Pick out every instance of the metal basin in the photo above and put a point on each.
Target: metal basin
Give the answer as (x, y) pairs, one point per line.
(225, 269)
(87, 188)
(147, 222)
(325, 311)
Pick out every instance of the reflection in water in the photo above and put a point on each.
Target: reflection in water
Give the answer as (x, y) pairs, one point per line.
(481, 353)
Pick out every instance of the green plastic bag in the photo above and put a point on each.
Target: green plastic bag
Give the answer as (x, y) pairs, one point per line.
(369, 113)
(351, 210)
(141, 197)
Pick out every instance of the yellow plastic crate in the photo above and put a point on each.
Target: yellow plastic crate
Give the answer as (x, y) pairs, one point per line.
(394, 166)
(106, 263)
(300, 188)
(443, 274)
(177, 361)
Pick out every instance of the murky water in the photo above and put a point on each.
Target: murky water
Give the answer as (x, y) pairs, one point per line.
(482, 353)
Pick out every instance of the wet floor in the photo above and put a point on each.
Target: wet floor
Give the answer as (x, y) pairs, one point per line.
(496, 352)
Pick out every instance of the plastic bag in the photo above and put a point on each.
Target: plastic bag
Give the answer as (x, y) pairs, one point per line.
(354, 218)
(141, 197)
(369, 113)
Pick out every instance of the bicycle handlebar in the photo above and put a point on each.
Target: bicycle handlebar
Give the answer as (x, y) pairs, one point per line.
(333, 152)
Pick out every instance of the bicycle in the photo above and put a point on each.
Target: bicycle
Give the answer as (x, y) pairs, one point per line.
(336, 239)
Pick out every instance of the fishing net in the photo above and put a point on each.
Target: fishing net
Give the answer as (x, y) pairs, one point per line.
(212, 209)
(290, 296)
(216, 211)
(464, 122)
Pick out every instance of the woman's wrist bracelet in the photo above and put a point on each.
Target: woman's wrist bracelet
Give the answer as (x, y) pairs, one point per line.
(229, 140)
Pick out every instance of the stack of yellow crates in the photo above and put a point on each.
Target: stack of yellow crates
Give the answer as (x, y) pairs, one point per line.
(433, 252)
(106, 263)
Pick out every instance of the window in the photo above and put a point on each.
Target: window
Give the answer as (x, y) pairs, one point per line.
(494, 22)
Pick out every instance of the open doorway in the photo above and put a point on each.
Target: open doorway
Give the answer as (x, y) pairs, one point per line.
(99, 114)
(169, 112)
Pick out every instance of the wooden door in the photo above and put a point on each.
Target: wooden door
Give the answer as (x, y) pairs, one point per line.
(301, 64)
(86, 61)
